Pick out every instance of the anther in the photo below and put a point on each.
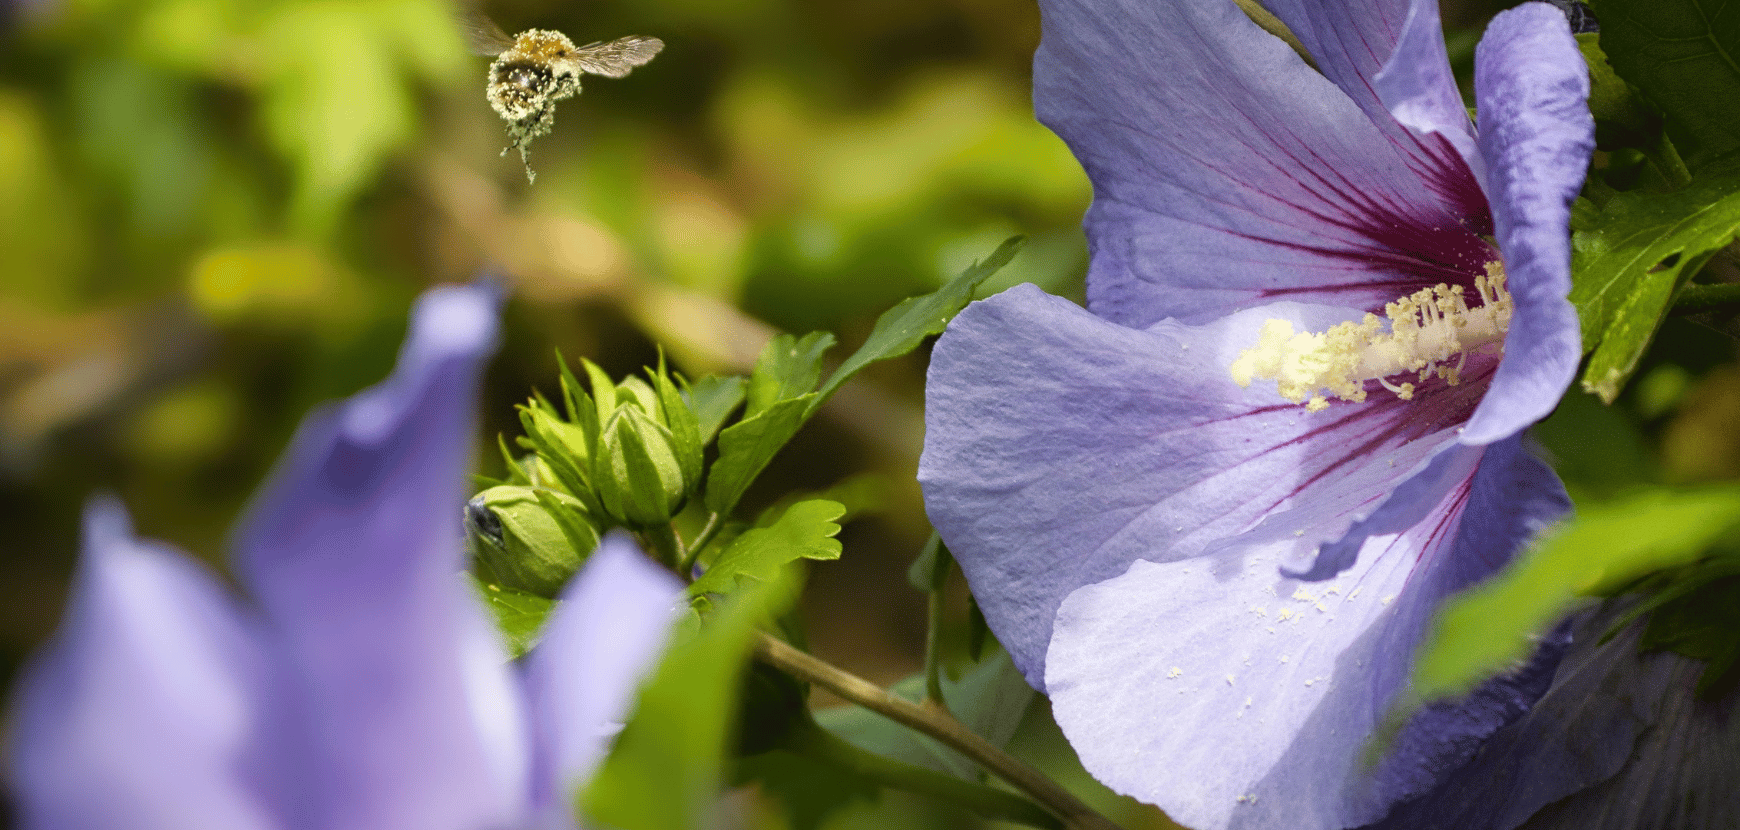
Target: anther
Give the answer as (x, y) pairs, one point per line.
(1425, 331)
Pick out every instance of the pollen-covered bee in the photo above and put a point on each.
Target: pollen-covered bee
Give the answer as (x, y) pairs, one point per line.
(539, 67)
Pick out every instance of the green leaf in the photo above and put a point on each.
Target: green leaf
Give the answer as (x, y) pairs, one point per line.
(1685, 56)
(1626, 268)
(603, 391)
(900, 329)
(1699, 621)
(787, 368)
(712, 399)
(519, 615)
(930, 569)
(1604, 549)
(574, 398)
(815, 773)
(863, 494)
(746, 446)
(515, 467)
(668, 761)
(1597, 450)
(991, 700)
(806, 531)
(809, 792)
(1622, 119)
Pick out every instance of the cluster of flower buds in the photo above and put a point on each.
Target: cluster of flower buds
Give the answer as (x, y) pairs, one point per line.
(629, 455)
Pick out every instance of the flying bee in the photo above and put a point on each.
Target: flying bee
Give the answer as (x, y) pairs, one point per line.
(539, 67)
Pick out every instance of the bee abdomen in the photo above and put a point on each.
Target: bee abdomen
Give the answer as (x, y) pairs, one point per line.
(518, 89)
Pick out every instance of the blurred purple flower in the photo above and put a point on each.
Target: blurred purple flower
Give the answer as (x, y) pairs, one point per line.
(1137, 525)
(360, 682)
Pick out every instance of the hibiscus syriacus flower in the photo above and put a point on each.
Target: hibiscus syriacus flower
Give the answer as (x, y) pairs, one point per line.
(1211, 514)
(360, 682)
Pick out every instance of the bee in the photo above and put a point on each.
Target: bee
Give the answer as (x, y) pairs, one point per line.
(538, 67)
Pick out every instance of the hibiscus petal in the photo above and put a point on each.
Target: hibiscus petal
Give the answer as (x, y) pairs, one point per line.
(151, 709)
(1186, 684)
(354, 551)
(1536, 135)
(1388, 56)
(1511, 500)
(607, 633)
(1622, 734)
(1059, 448)
(1232, 696)
(1227, 172)
(1408, 505)
(1350, 40)
(1416, 86)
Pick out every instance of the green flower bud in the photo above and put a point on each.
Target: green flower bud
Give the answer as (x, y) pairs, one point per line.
(633, 391)
(639, 479)
(630, 452)
(564, 452)
(685, 427)
(537, 472)
(528, 539)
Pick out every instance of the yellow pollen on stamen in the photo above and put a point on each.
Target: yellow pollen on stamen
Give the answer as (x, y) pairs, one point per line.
(1430, 332)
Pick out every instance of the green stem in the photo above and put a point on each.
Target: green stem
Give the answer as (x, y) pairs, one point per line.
(939, 574)
(933, 721)
(686, 565)
(1695, 297)
(814, 742)
(663, 540)
(933, 692)
(1666, 158)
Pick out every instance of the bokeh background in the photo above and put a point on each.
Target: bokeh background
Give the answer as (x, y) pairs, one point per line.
(215, 213)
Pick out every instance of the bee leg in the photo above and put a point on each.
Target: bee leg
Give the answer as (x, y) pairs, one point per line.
(526, 159)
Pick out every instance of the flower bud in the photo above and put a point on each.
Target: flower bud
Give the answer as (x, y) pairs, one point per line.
(563, 451)
(685, 427)
(634, 391)
(528, 539)
(636, 471)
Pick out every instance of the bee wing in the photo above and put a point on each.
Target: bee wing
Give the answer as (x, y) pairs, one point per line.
(482, 35)
(616, 58)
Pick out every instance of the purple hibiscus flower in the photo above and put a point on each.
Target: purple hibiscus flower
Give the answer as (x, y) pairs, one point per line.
(1211, 515)
(360, 682)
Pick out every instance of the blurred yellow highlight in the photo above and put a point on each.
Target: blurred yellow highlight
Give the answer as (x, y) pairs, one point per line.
(42, 239)
(274, 282)
(705, 241)
(186, 426)
(1701, 443)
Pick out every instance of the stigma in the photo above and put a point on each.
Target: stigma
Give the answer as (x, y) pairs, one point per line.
(1425, 334)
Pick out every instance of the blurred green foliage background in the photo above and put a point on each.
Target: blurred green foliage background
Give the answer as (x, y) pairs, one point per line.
(214, 214)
